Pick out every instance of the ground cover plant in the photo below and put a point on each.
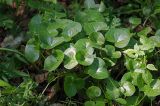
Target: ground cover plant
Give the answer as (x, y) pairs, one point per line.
(79, 53)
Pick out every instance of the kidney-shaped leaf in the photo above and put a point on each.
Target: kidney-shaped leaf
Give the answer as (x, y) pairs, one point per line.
(32, 50)
(52, 62)
(84, 44)
(119, 36)
(97, 69)
(72, 29)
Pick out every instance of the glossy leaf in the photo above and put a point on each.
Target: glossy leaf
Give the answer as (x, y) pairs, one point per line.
(97, 69)
(72, 29)
(119, 36)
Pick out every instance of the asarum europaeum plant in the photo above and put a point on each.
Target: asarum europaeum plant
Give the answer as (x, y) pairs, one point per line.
(92, 42)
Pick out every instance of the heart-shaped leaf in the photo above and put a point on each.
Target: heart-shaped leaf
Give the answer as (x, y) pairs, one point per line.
(97, 69)
(52, 62)
(72, 83)
(119, 36)
(84, 44)
(72, 29)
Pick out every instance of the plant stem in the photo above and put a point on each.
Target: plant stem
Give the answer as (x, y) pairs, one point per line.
(141, 100)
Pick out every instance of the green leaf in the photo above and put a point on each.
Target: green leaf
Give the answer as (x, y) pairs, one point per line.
(84, 45)
(47, 37)
(69, 86)
(151, 67)
(97, 37)
(72, 84)
(32, 50)
(109, 49)
(121, 101)
(89, 103)
(35, 23)
(94, 27)
(147, 77)
(112, 90)
(52, 62)
(93, 92)
(97, 69)
(132, 100)
(128, 89)
(153, 89)
(147, 10)
(100, 103)
(89, 15)
(135, 21)
(145, 31)
(119, 36)
(155, 40)
(70, 59)
(84, 58)
(79, 83)
(116, 54)
(4, 84)
(72, 29)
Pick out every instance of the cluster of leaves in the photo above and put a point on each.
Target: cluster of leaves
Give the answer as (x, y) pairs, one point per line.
(86, 46)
